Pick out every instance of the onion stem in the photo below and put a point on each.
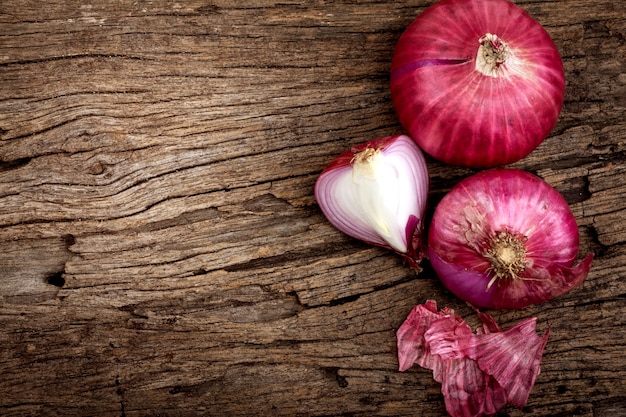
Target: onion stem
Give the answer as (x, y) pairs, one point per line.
(492, 54)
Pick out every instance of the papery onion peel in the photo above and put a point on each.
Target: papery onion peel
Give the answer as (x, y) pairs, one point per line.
(479, 372)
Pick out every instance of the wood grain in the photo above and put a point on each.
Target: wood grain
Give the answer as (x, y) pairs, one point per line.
(161, 251)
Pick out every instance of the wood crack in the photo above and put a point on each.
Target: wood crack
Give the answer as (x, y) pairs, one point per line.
(71, 57)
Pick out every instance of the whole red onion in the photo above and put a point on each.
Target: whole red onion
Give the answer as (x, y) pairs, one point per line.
(477, 83)
(505, 238)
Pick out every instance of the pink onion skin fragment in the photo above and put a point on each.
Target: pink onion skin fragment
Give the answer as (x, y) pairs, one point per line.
(489, 324)
(410, 335)
(480, 372)
(512, 357)
(468, 391)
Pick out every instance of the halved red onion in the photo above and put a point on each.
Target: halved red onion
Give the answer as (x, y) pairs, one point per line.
(477, 83)
(505, 238)
(376, 192)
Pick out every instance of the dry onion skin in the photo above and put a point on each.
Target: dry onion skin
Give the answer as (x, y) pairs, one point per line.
(505, 239)
(477, 83)
(479, 372)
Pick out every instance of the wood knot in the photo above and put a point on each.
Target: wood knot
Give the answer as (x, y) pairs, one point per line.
(96, 169)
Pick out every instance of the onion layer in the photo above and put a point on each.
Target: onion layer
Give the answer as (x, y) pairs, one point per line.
(376, 192)
(505, 238)
(477, 83)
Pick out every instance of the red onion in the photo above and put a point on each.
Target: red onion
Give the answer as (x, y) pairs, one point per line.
(505, 238)
(376, 192)
(477, 83)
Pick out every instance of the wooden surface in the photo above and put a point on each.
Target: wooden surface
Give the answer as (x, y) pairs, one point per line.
(161, 250)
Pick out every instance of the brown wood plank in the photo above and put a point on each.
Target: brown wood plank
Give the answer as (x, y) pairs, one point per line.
(161, 251)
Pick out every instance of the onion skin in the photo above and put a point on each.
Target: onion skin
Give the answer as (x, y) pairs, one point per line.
(456, 113)
(479, 372)
(377, 192)
(469, 218)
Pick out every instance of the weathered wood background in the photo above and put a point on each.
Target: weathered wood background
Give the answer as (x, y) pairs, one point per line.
(161, 251)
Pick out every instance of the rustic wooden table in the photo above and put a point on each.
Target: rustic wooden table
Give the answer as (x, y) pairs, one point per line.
(161, 251)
